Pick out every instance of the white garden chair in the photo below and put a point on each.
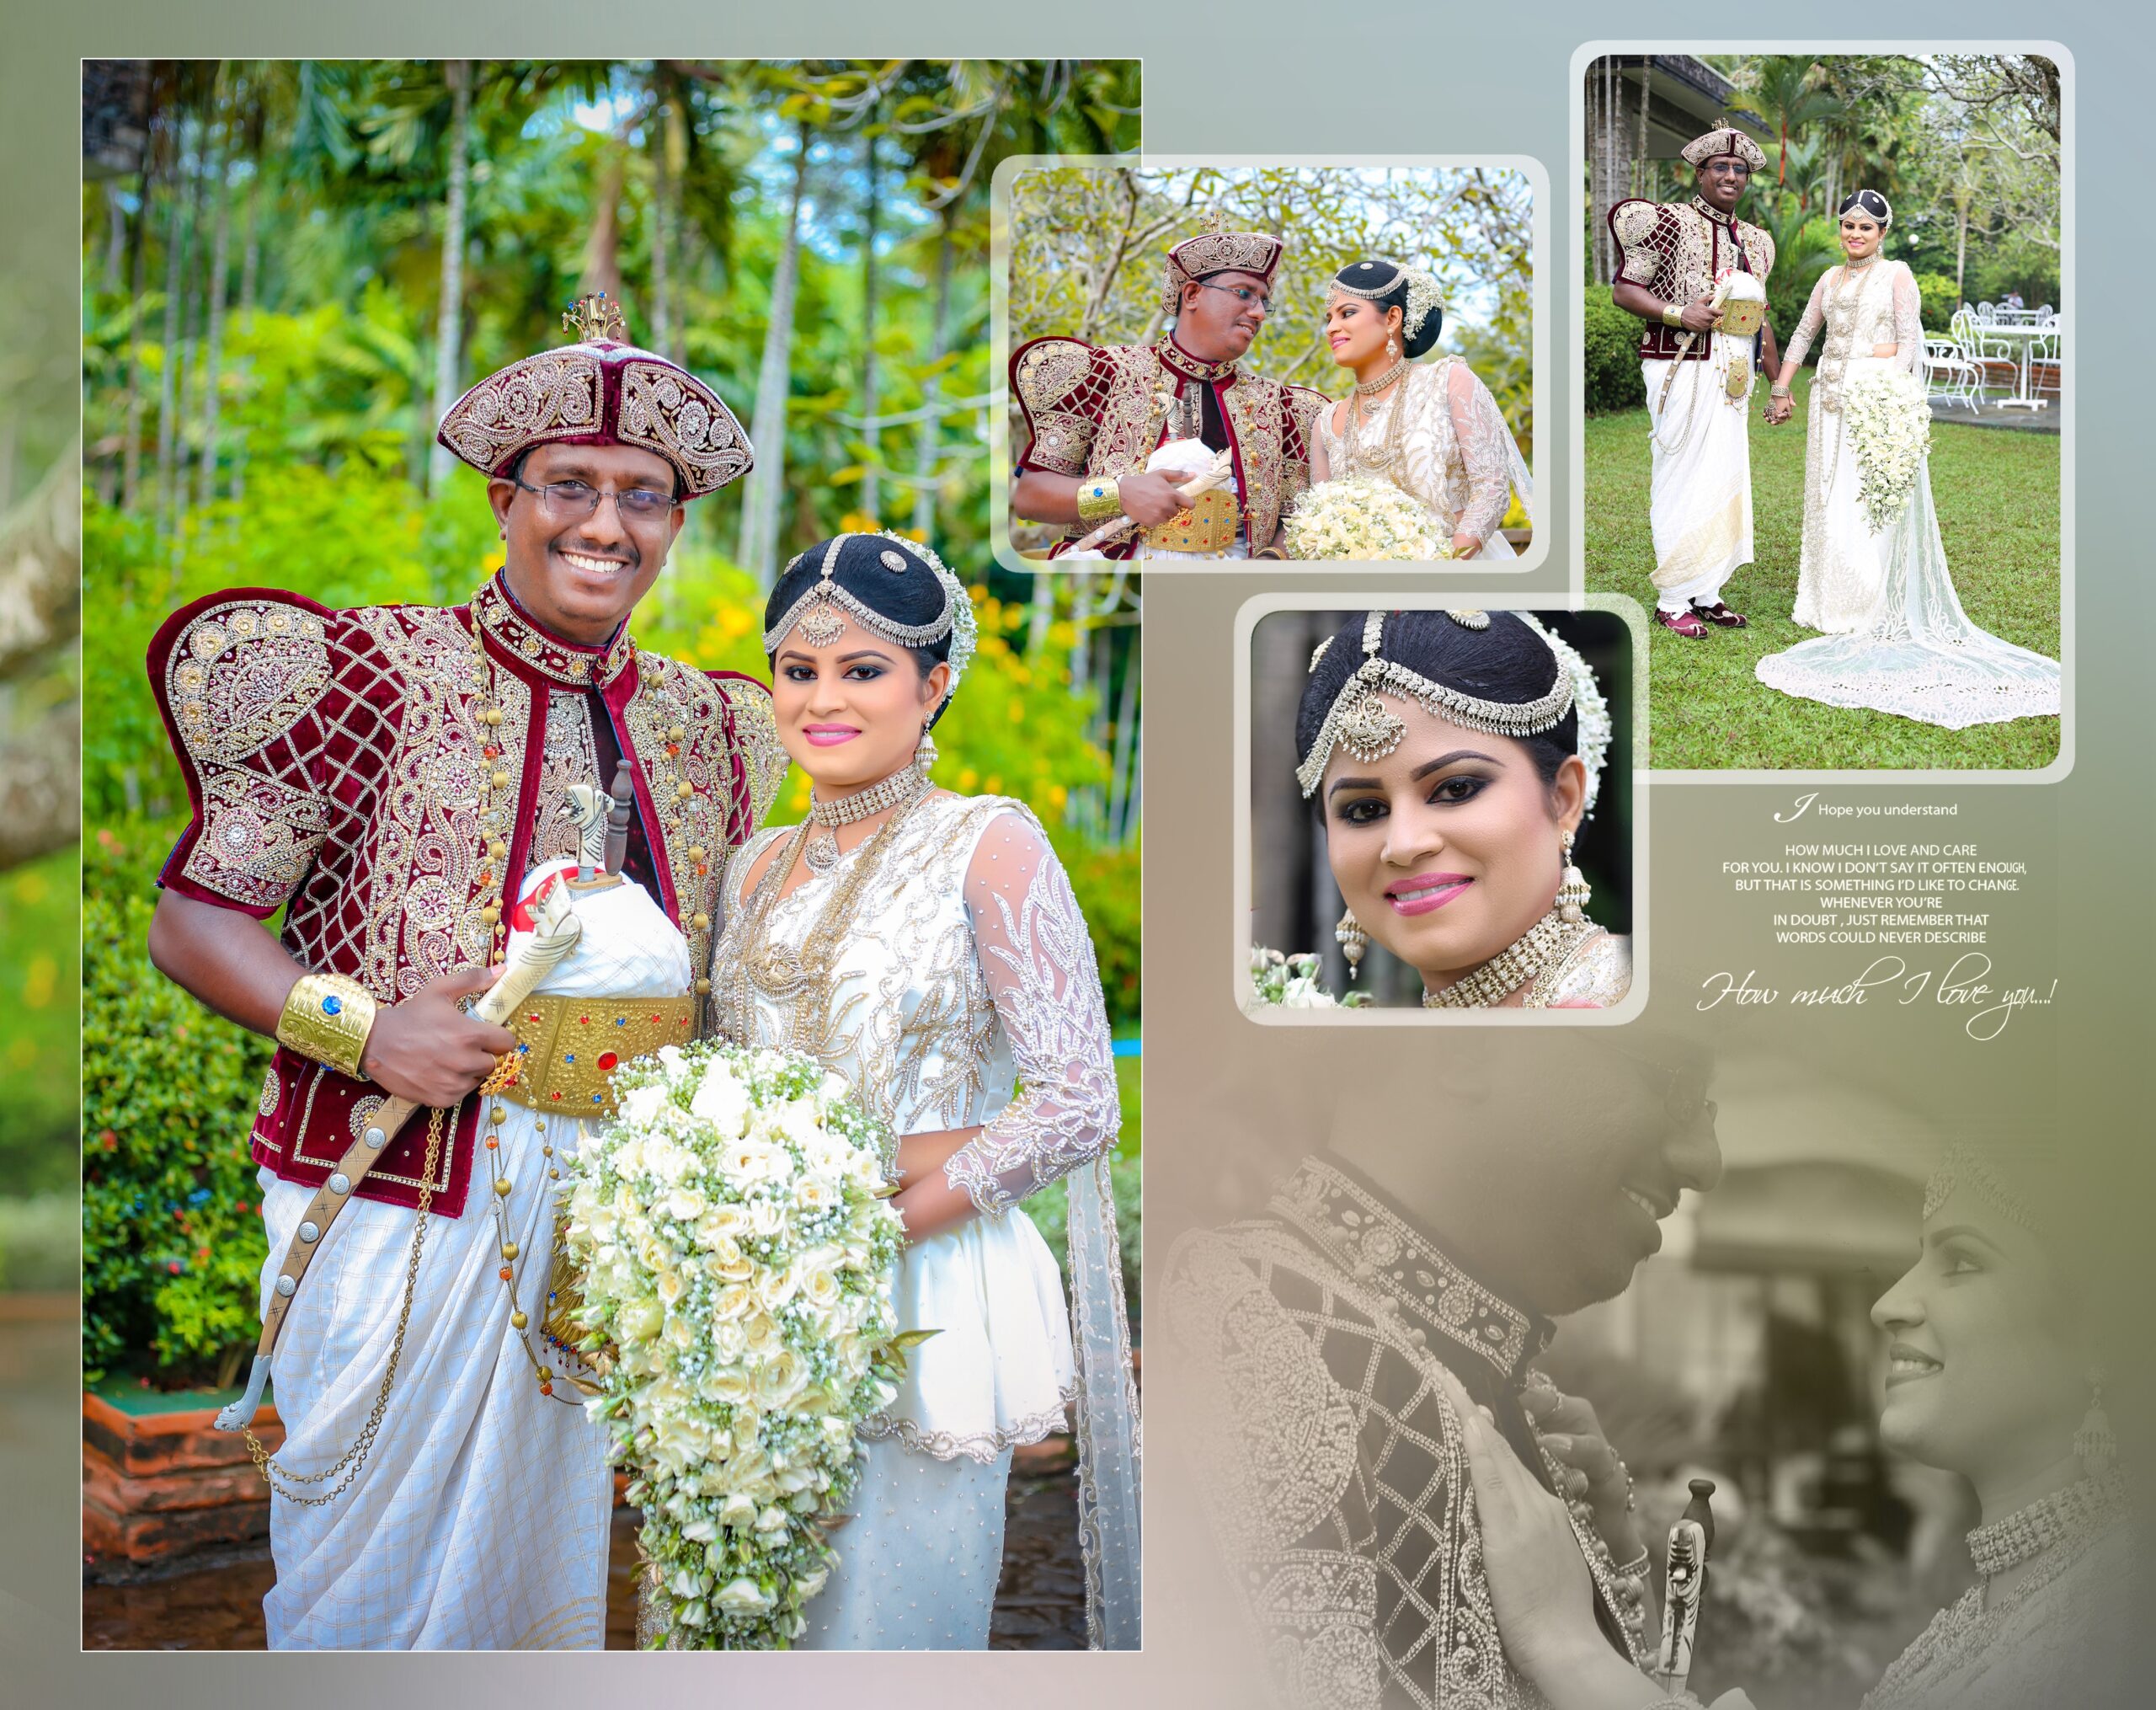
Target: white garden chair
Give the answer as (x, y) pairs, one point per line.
(1949, 375)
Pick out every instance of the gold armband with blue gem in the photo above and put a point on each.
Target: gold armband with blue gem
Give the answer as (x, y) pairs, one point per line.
(1097, 502)
(326, 1019)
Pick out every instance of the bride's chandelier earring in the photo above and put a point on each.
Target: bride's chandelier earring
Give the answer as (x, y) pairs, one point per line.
(2093, 1444)
(1352, 941)
(925, 751)
(1391, 348)
(1572, 892)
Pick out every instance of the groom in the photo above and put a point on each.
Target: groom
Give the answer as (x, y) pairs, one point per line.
(1335, 1474)
(1675, 255)
(385, 775)
(1097, 415)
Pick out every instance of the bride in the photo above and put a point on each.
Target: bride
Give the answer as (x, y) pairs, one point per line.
(1434, 431)
(1988, 1376)
(1450, 757)
(926, 947)
(1896, 639)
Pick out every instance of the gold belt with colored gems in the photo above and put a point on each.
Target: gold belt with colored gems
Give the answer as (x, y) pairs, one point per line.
(569, 1048)
(1211, 525)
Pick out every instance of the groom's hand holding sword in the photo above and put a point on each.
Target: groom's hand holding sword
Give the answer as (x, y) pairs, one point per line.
(1144, 506)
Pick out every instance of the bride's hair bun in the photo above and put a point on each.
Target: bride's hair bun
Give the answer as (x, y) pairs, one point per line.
(1869, 202)
(1410, 289)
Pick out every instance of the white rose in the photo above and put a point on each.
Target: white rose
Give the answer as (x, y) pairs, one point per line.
(639, 1104)
(739, 1597)
(779, 1380)
(719, 1221)
(771, 1520)
(683, 1204)
(811, 1582)
(767, 1217)
(736, 1512)
(722, 1102)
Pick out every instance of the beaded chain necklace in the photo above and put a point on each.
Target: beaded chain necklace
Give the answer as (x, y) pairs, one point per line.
(2055, 1533)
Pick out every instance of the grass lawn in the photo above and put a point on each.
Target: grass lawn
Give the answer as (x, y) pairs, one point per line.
(1997, 499)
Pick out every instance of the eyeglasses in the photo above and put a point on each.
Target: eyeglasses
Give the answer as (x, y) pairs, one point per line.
(1734, 168)
(1242, 294)
(573, 501)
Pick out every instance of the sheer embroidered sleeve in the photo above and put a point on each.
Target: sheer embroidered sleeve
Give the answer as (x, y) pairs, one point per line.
(1908, 319)
(1808, 326)
(1479, 429)
(240, 677)
(1300, 408)
(1037, 961)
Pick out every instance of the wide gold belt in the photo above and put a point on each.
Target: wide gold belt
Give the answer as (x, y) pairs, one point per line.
(569, 1048)
(1211, 525)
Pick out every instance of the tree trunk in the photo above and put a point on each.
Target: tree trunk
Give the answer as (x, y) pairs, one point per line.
(1961, 248)
(871, 484)
(175, 264)
(131, 471)
(766, 482)
(448, 322)
(190, 325)
(206, 487)
(250, 273)
(1639, 156)
(925, 453)
(602, 249)
(1122, 786)
(662, 297)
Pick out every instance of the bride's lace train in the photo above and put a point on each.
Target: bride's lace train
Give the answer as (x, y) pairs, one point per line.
(1918, 656)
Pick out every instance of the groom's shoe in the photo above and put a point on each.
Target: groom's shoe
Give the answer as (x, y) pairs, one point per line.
(1719, 615)
(1683, 622)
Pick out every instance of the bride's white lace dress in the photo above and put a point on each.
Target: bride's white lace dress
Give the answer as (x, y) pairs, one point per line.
(1455, 453)
(1898, 641)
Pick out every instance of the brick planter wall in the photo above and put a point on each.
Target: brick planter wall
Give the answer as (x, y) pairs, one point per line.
(163, 1484)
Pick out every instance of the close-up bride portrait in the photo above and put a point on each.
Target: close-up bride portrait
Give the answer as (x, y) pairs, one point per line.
(1456, 784)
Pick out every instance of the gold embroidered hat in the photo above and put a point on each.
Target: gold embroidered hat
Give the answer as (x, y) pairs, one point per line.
(1702, 149)
(600, 391)
(1214, 251)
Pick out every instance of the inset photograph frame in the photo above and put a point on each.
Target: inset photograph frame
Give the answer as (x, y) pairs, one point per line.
(1359, 772)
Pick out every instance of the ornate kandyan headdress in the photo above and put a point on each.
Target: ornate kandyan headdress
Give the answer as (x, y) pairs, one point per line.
(1373, 280)
(1362, 723)
(600, 391)
(1216, 250)
(1702, 149)
(828, 605)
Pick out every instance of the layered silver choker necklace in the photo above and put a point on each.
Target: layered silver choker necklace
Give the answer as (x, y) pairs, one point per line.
(903, 787)
(1545, 944)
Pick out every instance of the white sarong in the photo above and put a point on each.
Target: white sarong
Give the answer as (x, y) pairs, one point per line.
(480, 1520)
(1702, 503)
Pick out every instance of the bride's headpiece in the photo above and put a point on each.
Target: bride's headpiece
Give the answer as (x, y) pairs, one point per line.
(1414, 290)
(1964, 1167)
(1871, 202)
(1361, 723)
(893, 588)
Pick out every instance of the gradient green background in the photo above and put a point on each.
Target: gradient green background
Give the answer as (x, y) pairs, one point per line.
(1276, 76)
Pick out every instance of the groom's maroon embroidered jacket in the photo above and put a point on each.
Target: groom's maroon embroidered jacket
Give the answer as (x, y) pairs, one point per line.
(1101, 411)
(1680, 251)
(334, 762)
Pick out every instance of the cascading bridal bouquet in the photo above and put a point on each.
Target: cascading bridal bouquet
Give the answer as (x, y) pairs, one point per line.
(735, 1245)
(1888, 420)
(1363, 518)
